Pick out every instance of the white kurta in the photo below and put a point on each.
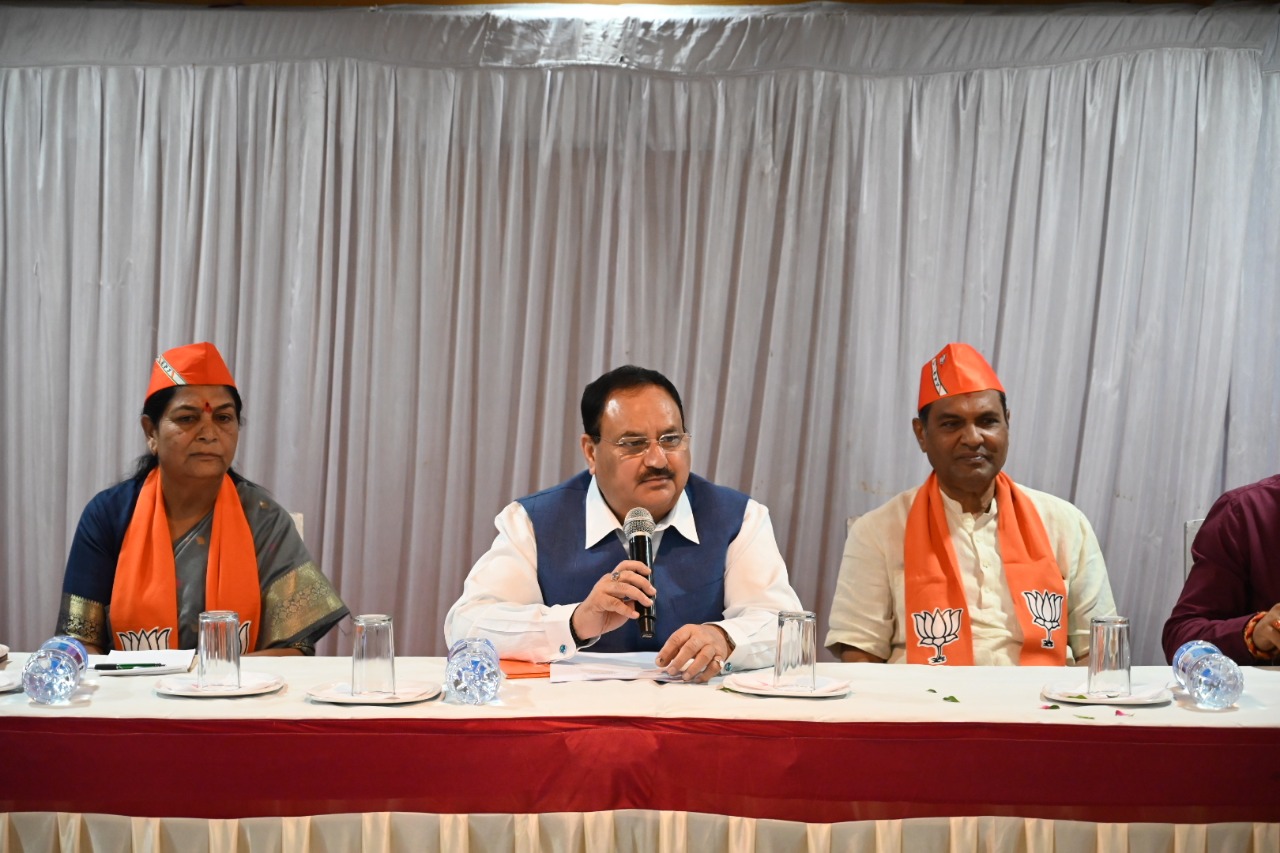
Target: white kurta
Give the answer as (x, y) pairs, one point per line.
(869, 608)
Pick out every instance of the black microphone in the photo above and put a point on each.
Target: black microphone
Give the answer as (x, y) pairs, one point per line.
(638, 528)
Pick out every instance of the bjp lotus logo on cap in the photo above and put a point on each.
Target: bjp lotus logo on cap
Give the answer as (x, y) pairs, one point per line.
(169, 370)
(1046, 611)
(936, 630)
(937, 380)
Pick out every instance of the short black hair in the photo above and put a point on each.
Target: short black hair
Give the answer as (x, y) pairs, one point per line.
(923, 414)
(622, 378)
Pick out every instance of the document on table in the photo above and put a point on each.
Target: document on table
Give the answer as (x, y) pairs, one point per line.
(524, 669)
(158, 662)
(596, 666)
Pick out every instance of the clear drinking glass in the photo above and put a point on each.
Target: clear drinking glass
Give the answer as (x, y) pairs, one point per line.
(1109, 656)
(797, 654)
(219, 650)
(373, 660)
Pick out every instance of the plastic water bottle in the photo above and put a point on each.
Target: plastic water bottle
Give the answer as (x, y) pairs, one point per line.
(472, 675)
(1211, 678)
(54, 672)
(1186, 656)
(1214, 681)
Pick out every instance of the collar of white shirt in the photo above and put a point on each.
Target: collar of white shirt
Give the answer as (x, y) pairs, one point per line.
(958, 518)
(601, 521)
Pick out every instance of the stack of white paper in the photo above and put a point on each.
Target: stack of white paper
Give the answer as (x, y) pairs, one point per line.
(142, 663)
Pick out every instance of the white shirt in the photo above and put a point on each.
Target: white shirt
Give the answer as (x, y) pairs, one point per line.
(501, 599)
(869, 607)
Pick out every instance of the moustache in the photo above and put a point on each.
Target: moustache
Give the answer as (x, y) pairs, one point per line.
(657, 474)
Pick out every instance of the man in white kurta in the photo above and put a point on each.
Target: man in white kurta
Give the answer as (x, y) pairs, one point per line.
(969, 568)
(868, 611)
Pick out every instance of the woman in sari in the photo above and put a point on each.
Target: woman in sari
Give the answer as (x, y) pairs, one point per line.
(187, 534)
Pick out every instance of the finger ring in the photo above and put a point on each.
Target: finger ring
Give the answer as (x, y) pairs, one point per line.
(719, 662)
(616, 575)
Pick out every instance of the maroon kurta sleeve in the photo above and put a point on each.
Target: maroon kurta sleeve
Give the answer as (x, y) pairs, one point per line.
(1235, 572)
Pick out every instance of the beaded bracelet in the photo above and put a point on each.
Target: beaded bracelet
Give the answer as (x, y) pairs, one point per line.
(1248, 638)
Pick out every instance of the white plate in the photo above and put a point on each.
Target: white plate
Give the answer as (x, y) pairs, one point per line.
(762, 685)
(1075, 694)
(251, 684)
(339, 692)
(9, 681)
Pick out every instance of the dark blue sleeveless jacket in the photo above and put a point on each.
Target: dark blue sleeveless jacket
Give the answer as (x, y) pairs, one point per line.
(689, 576)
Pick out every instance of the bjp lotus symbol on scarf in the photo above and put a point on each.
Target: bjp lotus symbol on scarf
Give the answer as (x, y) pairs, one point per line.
(144, 641)
(1046, 611)
(937, 629)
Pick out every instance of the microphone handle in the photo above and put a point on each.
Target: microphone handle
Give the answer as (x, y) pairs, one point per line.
(640, 549)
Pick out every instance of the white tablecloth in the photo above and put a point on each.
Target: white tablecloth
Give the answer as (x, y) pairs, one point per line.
(880, 694)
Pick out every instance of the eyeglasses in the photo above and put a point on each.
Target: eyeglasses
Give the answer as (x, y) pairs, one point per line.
(636, 445)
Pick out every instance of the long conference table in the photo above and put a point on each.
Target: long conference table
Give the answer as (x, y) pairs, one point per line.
(913, 758)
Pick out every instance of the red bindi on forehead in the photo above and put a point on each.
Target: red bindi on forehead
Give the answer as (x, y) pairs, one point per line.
(200, 399)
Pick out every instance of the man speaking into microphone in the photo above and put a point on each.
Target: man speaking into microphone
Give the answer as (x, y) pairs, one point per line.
(557, 578)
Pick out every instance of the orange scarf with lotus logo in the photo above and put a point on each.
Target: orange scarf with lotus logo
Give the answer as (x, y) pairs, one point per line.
(938, 630)
(144, 597)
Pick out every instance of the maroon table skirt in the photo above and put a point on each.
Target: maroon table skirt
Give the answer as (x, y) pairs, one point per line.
(799, 771)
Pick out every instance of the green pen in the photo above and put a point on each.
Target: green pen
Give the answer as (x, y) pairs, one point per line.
(115, 666)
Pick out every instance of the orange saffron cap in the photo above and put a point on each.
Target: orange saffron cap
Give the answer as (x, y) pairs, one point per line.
(193, 364)
(956, 369)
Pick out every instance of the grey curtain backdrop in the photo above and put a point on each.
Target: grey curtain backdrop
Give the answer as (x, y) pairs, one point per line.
(416, 234)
